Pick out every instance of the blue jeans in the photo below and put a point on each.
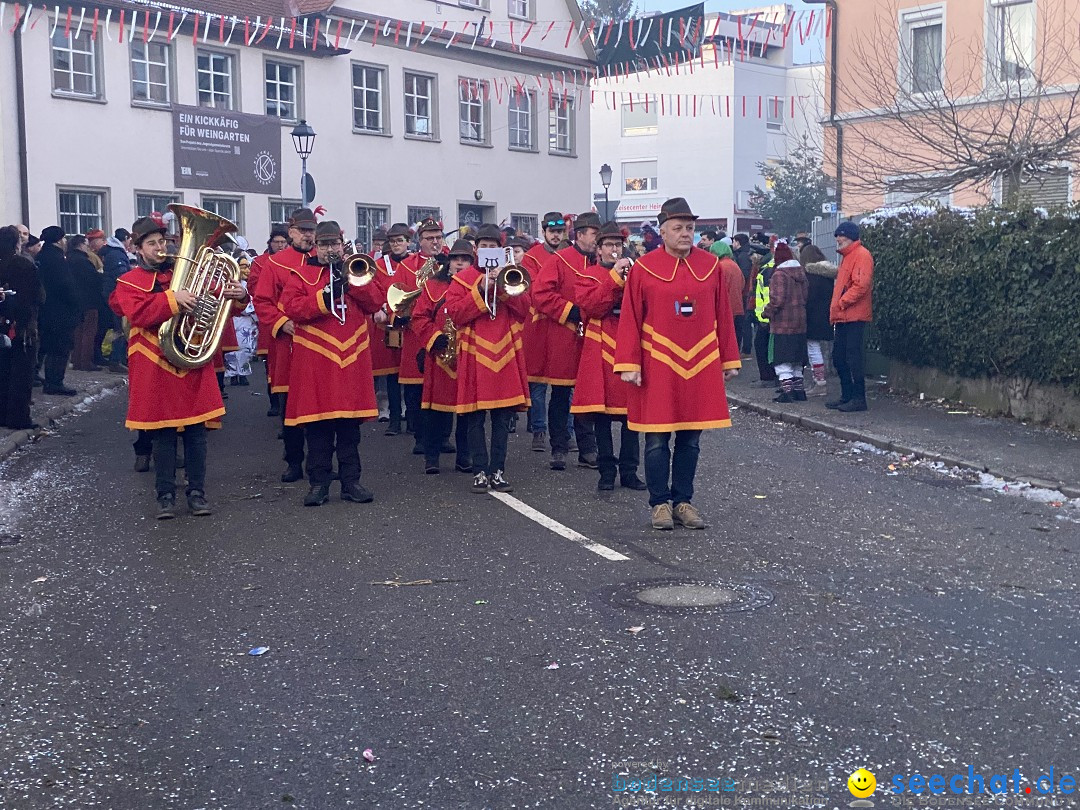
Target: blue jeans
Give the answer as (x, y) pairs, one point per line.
(538, 392)
(164, 446)
(681, 466)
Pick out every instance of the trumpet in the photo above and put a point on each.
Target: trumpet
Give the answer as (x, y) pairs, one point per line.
(356, 270)
(512, 280)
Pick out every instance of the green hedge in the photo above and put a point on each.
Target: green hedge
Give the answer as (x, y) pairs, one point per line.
(990, 292)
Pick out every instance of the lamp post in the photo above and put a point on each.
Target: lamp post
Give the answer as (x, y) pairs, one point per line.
(605, 179)
(304, 140)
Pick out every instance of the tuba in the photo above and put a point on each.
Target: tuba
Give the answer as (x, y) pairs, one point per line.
(190, 340)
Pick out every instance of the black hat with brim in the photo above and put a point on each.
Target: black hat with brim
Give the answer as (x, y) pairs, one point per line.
(489, 232)
(144, 226)
(675, 208)
(611, 230)
(589, 219)
(462, 247)
(302, 218)
(327, 230)
(399, 229)
(553, 219)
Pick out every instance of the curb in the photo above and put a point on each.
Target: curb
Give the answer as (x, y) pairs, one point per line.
(17, 439)
(850, 435)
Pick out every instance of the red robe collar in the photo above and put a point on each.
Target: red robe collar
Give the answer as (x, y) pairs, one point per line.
(662, 265)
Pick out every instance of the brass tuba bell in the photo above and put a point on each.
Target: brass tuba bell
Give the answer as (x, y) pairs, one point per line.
(191, 339)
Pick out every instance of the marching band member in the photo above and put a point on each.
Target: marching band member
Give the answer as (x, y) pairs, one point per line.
(554, 230)
(552, 295)
(163, 399)
(429, 322)
(331, 387)
(273, 320)
(278, 241)
(491, 363)
(676, 347)
(598, 291)
(430, 234)
(387, 359)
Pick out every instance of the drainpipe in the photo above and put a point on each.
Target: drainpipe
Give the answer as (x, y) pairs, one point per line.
(20, 108)
(836, 126)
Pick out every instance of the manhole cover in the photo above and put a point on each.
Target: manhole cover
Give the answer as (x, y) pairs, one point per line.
(686, 596)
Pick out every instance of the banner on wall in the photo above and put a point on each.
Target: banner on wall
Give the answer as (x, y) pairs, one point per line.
(226, 151)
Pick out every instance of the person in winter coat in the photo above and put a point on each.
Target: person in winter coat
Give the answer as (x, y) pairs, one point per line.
(740, 247)
(820, 275)
(60, 313)
(733, 283)
(88, 287)
(115, 261)
(850, 312)
(786, 312)
(18, 323)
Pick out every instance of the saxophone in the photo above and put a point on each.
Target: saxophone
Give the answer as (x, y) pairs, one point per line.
(448, 356)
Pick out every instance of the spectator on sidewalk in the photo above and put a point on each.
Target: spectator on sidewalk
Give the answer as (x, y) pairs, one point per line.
(820, 275)
(60, 312)
(786, 312)
(238, 363)
(18, 321)
(760, 275)
(740, 248)
(88, 286)
(116, 262)
(733, 283)
(32, 248)
(850, 312)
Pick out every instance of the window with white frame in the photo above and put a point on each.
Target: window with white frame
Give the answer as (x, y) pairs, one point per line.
(521, 105)
(520, 8)
(480, 4)
(639, 176)
(80, 210)
(1013, 31)
(473, 111)
(147, 202)
(368, 220)
(418, 213)
(215, 79)
(419, 105)
(280, 210)
(921, 65)
(905, 190)
(283, 90)
(639, 116)
(526, 223)
(369, 83)
(151, 72)
(560, 125)
(774, 114)
(228, 207)
(75, 67)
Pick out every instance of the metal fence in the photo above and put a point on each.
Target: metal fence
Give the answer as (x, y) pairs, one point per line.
(821, 231)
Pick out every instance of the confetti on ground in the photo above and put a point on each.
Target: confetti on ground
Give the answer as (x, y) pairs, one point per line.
(369, 755)
(634, 630)
(552, 665)
(258, 651)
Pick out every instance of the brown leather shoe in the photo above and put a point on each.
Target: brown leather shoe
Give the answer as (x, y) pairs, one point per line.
(689, 517)
(661, 517)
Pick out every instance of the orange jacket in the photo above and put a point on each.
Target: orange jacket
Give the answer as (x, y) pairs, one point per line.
(851, 298)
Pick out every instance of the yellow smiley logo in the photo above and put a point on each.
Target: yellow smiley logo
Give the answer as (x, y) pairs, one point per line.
(861, 783)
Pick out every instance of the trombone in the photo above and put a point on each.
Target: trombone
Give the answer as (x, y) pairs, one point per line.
(347, 270)
(512, 280)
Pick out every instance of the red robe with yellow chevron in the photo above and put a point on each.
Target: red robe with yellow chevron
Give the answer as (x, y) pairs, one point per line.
(160, 395)
(330, 376)
(409, 373)
(553, 297)
(428, 319)
(491, 363)
(676, 328)
(258, 265)
(533, 339)
(598, 292)
(271, 314)
(384, 360)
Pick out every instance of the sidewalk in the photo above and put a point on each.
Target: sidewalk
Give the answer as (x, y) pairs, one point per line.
(46, 409)
(947, 432)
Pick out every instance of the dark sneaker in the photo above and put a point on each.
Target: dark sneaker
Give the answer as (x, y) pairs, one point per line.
(463, 468)
(539, 441)
(447, 449)
(418, 449)
(356, 493)
(393, 429)
(834, 404)
(197, 504)
(317, 496)
(166, 507)
(499, 482)
(558, 461)
(142, 463)
(59, 391)
(480, 483)
(587, 460)
(606, 485)
(634, 483)
(293, 473)
(852, 406)
(432, 469)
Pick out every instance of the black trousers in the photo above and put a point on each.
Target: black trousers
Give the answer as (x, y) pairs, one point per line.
(558, 419)
(144, 443)
(478, 447)
(329, 436)
(436, 428)
(740, 330)
(393, 399)
(164, 443)
(55, 365)
(849, 358)
(293, 437)
(414, 395)
(761, 351)
(16, 385)
(629, 448)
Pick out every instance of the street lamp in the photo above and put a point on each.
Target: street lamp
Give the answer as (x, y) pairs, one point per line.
(605, 179)
(304, 140)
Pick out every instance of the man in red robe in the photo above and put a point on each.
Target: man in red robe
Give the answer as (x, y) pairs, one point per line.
(272, 318)
(599, 393)
(491, 363)
(162, 398)
(394, 268)
(332, 390)
(552, 295)
(554, 231)
(676, 347)
(278, 241)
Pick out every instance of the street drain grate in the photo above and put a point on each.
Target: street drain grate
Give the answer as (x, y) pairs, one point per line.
(686, 596)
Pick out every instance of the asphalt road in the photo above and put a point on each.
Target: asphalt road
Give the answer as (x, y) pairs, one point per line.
(903, 623)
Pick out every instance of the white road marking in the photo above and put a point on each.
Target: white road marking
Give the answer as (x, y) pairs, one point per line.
(558, 528)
